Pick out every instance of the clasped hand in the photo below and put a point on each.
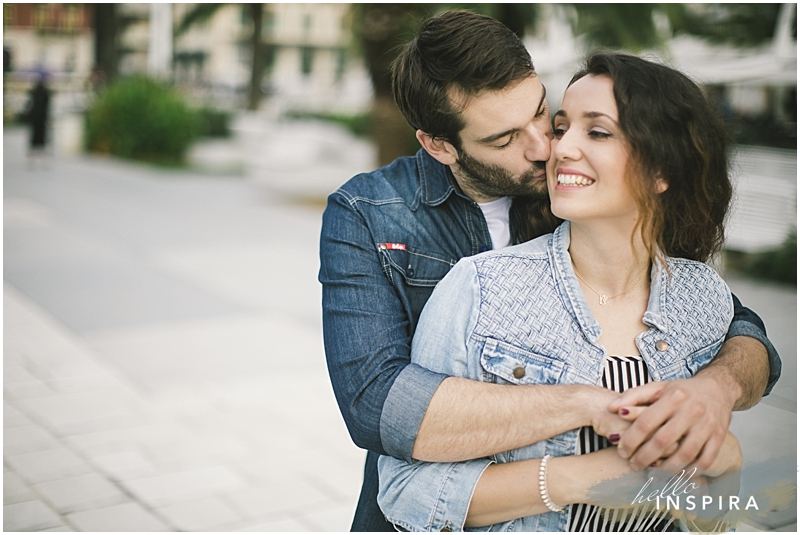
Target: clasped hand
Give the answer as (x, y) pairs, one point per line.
(672, 425)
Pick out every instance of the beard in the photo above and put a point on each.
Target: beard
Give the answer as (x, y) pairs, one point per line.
(495, 181)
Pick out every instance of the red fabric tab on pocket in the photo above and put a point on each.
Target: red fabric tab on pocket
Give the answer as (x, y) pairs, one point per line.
(393, 246)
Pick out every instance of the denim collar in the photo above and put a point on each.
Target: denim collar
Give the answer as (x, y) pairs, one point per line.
(568, 281)
(435, 178)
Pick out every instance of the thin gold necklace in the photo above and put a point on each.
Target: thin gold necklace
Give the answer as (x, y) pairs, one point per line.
(603, 297)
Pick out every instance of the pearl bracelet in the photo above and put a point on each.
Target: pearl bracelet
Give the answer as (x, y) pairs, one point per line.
(543, 486)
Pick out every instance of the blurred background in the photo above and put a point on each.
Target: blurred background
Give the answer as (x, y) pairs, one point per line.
(163, 363)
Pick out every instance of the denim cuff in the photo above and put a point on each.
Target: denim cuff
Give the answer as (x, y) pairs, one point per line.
(405, 407)
(746, 328)
(428, 496)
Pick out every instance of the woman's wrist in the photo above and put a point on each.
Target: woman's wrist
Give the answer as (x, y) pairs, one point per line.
(561, 485)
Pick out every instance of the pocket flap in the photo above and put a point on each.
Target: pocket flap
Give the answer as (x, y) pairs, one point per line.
(518, 366)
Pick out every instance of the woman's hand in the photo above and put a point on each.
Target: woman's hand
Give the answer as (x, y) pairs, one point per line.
(729, 459)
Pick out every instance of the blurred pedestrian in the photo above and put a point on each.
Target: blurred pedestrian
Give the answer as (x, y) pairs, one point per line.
(37, 116)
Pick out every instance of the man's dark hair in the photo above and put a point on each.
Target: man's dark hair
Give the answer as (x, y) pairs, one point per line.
(674, 134)
(455, 50)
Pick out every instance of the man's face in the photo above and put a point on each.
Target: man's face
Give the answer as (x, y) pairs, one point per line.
(505, 143)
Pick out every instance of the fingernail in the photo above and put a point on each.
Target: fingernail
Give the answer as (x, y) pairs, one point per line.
(624, 412)
(613, 438)
(635, 467)
(622, 453)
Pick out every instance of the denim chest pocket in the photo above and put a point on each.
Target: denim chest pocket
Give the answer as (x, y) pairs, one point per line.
(512, 365)
(414, 267)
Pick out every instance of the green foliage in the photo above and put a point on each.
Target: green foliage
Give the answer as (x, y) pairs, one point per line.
(141, 119)
(357, 124)
(737, 24)
(213, 123)
(778, 265)
(617, 26)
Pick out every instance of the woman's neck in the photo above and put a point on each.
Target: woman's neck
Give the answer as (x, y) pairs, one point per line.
(606, 259)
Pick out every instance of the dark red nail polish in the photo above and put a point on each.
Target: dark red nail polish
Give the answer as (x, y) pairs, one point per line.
(624, 412)
(613, 438)
(654, 464)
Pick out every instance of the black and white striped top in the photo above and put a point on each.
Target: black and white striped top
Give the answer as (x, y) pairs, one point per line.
(619, 374)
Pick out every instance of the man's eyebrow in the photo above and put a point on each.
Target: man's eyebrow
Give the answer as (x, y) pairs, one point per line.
(495, 137)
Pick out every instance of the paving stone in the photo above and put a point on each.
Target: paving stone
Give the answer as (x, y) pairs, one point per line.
(27, 389)
(333, 519)
(125, 465)
(29, 516)
(15, 490)
(170, 489)
(27, 438)
(202, 515)
(79, 406)
(13, 418)
(288, 494)
(123, 517)
(46, 465)
(287, 525)
(80, 493)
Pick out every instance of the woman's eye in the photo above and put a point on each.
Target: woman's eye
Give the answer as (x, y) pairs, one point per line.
(598, 134)
(559, 132)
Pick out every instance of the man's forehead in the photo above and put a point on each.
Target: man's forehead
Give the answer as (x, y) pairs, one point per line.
(492, 112)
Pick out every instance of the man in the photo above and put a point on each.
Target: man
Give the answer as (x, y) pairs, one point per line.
(467, 86)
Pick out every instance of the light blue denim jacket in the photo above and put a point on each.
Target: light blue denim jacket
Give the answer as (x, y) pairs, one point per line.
(523, 307)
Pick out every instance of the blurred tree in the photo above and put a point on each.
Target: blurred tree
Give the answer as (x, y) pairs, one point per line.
(200, 13)
(106, 44)
(737, 24)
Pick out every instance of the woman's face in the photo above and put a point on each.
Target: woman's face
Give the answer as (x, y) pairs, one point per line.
(589, 155)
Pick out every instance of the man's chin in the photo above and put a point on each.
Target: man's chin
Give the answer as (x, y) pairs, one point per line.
(538, 189)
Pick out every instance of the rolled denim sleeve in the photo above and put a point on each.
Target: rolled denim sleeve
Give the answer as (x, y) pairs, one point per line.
(748, 323)
(367, 335)
(423, 496)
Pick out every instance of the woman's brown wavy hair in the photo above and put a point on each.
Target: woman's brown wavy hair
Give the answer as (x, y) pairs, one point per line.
(674, 134)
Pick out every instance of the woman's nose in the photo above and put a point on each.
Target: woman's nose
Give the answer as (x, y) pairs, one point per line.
(566, 148)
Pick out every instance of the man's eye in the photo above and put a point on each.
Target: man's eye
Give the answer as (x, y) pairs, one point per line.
(542, 111)
(506, 144)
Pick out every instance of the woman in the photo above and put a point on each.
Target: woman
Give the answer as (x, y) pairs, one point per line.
(617, 295)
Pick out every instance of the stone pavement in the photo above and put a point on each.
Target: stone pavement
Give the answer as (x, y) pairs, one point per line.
(163, 362)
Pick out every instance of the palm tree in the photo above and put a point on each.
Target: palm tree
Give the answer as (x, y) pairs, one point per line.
(203, 12)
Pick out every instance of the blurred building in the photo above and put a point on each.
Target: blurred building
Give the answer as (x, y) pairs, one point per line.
(309, 61)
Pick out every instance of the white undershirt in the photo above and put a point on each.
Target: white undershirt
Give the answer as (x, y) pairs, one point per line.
(496, 214)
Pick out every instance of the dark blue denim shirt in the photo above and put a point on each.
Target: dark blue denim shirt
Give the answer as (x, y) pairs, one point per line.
(388, 237)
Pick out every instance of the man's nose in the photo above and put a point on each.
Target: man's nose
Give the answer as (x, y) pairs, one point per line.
(538, 149)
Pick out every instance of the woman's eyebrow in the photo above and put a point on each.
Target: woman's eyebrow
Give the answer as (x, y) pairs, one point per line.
(588, 115)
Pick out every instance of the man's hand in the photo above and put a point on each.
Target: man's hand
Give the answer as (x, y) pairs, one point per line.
(695, 413)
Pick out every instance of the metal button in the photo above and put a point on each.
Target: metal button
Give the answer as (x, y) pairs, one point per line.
(446, 528)
(519, 372)
(661, 345)
(410, 273)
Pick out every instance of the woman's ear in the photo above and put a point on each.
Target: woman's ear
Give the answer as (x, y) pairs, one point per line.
(441, 150)
(661, 185)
